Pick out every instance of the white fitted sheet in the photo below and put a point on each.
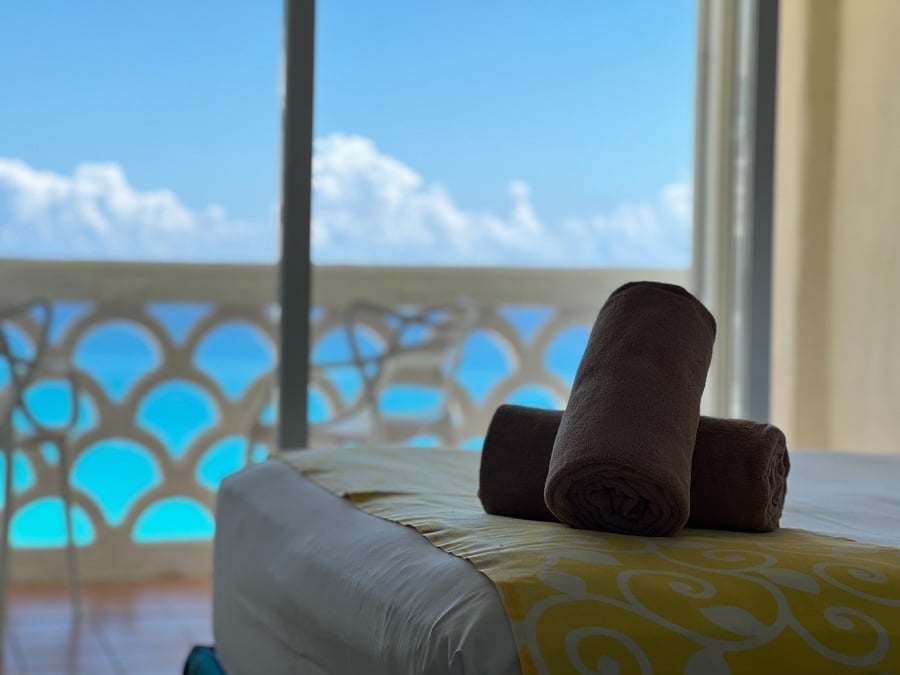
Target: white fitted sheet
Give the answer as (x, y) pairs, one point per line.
(845, 494)
(306, 583)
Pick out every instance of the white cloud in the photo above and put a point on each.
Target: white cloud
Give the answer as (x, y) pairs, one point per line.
(371, 208)
(368, 208)
(678, 199)
(97, 213)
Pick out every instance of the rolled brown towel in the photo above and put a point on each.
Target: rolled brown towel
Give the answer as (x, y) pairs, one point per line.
(738, 473)
(621, 461)
(514, 461)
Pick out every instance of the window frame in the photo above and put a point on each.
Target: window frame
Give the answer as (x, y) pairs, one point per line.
(733, 203)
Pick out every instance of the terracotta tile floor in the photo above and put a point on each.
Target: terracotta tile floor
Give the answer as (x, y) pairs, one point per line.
(125, 627)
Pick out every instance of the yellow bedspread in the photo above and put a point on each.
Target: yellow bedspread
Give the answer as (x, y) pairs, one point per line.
(703, 602)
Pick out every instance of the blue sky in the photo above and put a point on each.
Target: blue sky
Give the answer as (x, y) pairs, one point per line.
(591, 101)
(183, 95)
(447, 131)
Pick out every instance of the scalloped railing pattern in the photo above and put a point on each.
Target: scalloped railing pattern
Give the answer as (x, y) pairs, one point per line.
(171, 389)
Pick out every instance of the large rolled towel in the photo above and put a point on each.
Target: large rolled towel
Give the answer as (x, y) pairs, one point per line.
(621, 461)
(738, 473)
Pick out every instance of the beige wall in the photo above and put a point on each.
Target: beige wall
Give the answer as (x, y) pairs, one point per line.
(836, 305)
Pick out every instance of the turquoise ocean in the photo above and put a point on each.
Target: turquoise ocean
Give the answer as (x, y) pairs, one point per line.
(115, 472)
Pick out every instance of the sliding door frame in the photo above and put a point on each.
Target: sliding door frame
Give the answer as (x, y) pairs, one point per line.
(733, 196)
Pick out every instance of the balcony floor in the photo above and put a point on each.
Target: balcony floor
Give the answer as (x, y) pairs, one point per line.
(125, 627)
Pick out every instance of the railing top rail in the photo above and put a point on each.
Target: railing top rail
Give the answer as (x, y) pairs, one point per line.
(332, 284)
(487, 285)
(136, 281)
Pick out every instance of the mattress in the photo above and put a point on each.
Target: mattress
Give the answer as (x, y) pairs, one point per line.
(307, 583)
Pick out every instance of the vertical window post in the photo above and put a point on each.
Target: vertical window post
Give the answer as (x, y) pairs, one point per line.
(760, 285)
(734, 167)
(296, 202)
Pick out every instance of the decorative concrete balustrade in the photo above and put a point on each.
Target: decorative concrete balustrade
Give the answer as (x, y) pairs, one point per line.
(175, 358)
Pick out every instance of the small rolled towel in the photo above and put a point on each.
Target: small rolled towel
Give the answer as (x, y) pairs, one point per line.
(738, 473)
(514, 461)
(621, 461)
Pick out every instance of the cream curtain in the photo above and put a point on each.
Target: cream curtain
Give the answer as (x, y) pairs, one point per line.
(836, 298)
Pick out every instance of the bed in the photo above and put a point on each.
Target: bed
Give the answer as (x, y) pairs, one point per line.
(316, 573)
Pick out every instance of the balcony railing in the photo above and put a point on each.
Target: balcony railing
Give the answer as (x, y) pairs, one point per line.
(175, 356)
